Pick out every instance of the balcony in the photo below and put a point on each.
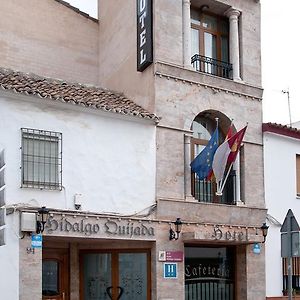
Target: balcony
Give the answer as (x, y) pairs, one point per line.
(212, 66)
(205, 191)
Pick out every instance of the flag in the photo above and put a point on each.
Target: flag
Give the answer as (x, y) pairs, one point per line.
(236, 145)
(227, 153)
(230, 132)
(202, 164)
(228, 135)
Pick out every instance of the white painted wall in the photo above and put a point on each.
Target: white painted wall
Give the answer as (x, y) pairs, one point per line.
(9, 259)
(296, 124)
(280, 193)
(109, 160)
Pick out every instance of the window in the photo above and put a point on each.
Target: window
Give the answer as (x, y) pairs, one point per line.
(295, 275)
(209, 273)
(41, 159)
(298, 173)
(209, 44)
(50, 275)
(205, 190)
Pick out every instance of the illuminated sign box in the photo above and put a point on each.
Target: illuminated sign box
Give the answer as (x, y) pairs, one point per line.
(144, 34)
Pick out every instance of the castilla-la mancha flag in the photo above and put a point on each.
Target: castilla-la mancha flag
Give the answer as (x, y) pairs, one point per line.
(226, 153)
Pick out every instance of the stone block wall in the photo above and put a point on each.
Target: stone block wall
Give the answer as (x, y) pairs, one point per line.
(30, 264)
(47, 38)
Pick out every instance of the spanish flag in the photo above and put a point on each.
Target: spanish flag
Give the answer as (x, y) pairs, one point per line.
(226, 154)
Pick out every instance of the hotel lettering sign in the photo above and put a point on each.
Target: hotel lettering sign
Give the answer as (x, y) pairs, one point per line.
(144, 34)
(101, 228)
(228, 234)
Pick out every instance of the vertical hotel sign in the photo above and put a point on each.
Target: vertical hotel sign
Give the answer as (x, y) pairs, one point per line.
(144, 34)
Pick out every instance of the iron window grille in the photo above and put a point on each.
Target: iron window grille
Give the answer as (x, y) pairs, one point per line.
(41, 159)
(295, 275)
(205, 190)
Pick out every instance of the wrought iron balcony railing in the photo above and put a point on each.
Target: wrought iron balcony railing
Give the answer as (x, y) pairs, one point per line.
(212, 66)
(205, 191)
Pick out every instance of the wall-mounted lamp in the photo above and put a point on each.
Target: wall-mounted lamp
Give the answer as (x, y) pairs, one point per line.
(264, 228)
(174, 235)
(41, 219)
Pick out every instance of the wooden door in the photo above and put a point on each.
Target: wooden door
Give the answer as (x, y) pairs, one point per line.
(55, 274)
(115, 275)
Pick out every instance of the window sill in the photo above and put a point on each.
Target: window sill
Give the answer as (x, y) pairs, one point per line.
(41, 187)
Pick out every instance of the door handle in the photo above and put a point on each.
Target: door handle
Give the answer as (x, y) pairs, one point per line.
(109, 289)
(121, 291)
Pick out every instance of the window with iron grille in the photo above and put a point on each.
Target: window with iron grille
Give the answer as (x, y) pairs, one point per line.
(41, 159)
(295, 275)
(205, 190)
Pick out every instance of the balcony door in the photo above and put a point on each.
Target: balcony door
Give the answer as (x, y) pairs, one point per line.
(209, 42)
(114, 275)
(209, 36)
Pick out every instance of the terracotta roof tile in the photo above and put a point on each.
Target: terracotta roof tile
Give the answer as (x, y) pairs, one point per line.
(74, 93)
(281, 129)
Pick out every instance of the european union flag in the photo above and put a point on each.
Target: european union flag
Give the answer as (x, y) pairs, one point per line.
(202, 164)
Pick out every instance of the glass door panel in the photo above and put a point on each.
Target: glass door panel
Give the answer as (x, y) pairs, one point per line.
(115, 275)
(224, 49)
(97, 276)
(50, 278)
(209, 273)
(133, 276)
(194, 42)
(210, 51)
(210, 45)
(209, 22)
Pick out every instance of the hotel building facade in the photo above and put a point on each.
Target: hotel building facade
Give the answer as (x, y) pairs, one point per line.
(100, 120)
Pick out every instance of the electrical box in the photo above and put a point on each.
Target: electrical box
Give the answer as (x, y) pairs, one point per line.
(78, 200)
(28, 221)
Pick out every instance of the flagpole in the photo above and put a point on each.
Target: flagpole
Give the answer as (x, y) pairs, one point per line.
(229, 169)
(219, 184)
(217, 121)
(219, 192)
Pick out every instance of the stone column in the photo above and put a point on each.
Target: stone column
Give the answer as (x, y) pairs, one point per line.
(74, 272)
(168, 289)
(187, 169)
(186, 30)
(30, 266)
(233, 16)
